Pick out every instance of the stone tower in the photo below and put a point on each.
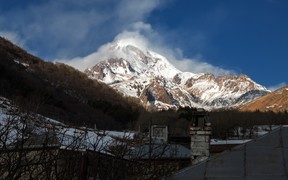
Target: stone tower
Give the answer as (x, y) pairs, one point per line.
(200, 132)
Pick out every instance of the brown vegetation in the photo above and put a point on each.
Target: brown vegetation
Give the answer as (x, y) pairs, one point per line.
(276, 101)
(61, 92)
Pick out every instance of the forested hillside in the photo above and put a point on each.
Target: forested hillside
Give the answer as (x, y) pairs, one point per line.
(60, 92)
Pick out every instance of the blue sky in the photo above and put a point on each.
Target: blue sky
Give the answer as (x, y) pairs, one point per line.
(218, 36)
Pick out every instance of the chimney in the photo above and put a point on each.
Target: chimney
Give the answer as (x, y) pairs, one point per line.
(200, 132)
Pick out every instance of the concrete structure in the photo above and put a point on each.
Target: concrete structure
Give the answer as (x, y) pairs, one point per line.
(200, 132)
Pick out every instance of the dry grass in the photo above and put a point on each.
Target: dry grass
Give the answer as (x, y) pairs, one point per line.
(276, 101)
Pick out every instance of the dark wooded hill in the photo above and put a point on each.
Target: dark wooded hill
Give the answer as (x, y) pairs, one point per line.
(61, 92)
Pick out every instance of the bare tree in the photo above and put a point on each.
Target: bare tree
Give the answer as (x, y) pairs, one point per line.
(33, 147)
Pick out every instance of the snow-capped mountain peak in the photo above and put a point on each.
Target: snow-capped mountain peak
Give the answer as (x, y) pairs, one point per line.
(136, 71)
(129, 61)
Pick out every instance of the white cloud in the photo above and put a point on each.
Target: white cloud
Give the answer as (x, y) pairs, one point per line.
(137, 9)
(141, 26)
(67, 28)
(143, 36)
(277, 86)
(64, 29)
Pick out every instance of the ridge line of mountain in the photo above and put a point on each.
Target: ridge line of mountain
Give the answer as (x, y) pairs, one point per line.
(146, 75)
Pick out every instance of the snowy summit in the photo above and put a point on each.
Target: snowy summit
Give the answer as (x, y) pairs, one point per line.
(136, 71)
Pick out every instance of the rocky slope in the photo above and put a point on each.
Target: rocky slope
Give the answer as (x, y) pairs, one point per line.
(276, 101)
(223, 91)
(147, 75)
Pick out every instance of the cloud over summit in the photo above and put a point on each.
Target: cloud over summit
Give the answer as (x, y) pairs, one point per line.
(72, 30)
(143, 36)
(67, 28)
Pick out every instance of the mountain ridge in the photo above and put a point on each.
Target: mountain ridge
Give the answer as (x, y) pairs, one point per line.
(276, 101)
(126, 66)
